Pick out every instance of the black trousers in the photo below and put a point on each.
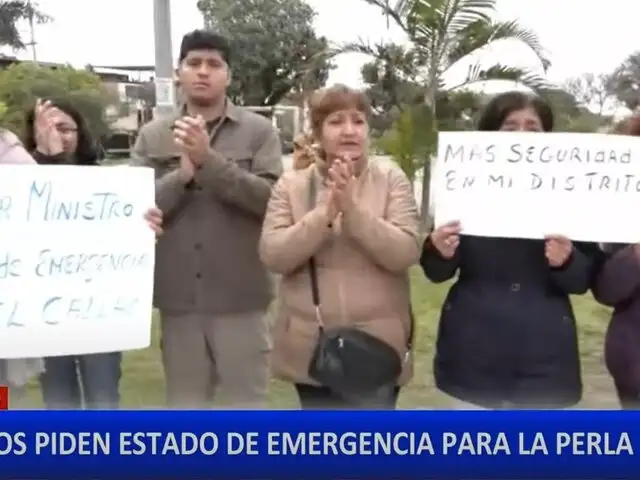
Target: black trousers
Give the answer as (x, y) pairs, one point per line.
(629, 398)
(322, 398)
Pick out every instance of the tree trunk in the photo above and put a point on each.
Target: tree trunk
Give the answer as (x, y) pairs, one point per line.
(426, 213)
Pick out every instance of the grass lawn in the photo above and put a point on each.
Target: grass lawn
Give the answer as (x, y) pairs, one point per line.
(143, 387)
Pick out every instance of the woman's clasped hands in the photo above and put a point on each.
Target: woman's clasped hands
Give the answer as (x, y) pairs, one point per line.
(340, 182)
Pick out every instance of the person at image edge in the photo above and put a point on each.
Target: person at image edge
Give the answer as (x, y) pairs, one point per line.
(53, 136)
(617, 285)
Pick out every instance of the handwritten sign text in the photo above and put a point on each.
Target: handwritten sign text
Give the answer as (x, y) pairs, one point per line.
(76, 260)
(527, 185)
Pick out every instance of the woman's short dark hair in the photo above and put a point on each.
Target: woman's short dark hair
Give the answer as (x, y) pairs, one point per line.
(502, 105)
(86, 153)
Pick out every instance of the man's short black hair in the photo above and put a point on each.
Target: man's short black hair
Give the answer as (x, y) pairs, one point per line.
(204, 40)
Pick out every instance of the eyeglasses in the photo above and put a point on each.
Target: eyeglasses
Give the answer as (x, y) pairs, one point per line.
(66, 130)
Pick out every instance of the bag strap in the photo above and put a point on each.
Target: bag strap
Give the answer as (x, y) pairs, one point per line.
(313, 271)
(313, 274)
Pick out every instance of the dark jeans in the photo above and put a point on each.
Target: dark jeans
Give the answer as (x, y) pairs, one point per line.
(322, 398)
(83, 381)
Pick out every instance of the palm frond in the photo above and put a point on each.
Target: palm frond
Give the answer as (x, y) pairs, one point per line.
(405, 62)
(360, 45)
(424, 23)
(477, 73)
(471, 38)
(461, 13)
(402, 6)
(512, 30)
(434, 24)
(479, 34)
(396, 12)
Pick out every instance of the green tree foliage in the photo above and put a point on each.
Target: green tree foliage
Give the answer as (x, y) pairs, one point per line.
(579, 106)
(409, 139)
(405, 140)
(22, 84)
(591, 91)
(625, 81)
(390, 83)
(400, 117)
(392, 87)
(583, 122)
(276, 51)
(12, 12)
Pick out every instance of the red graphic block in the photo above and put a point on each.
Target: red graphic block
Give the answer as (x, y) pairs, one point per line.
(4, 397)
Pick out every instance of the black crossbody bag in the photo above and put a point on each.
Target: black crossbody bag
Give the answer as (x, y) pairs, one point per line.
(356, 366)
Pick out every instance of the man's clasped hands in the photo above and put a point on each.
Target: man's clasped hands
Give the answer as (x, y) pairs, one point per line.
(191, 137)
(446, 239)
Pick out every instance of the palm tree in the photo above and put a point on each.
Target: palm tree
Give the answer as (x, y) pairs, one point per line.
(11, 12)
(442, 33)
(393, 71)
(400, 117)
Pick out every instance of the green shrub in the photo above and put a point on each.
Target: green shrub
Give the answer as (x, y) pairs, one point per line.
(22, 84)
(408, 142)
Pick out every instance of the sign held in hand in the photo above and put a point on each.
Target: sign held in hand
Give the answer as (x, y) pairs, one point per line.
(76, 260)
(528, 185)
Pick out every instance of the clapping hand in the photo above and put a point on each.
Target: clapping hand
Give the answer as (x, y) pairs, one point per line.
(340, 182)
(48, 139)
(190, 135)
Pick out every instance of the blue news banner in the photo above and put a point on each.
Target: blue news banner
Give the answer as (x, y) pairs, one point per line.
(319, 445)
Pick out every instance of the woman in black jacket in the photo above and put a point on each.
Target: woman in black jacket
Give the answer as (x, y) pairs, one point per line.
(56, 133)
(507, 335)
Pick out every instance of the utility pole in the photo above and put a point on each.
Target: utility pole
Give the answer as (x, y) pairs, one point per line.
(32, 43)
(165, 88)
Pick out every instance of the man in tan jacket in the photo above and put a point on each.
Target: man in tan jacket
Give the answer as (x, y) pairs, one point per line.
(215, 166)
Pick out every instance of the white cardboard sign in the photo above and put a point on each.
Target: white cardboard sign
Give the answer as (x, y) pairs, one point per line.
(528, 185)
(76, 260)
